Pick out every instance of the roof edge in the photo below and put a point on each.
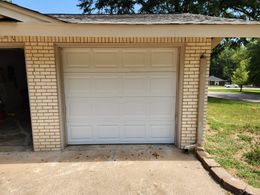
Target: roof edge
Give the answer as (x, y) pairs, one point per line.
(150, 19)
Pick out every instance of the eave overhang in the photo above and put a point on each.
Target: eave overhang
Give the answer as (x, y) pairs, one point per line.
(102, 30)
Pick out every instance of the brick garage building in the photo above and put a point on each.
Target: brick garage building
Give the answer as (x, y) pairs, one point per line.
(113, 79)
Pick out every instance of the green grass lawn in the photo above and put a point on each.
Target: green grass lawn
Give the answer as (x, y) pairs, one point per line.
(233, 137)
(224, 89)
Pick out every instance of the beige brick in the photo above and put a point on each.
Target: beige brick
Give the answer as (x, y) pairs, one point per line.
(40, 62)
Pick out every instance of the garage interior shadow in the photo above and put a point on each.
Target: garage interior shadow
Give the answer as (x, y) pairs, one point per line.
(15, 120)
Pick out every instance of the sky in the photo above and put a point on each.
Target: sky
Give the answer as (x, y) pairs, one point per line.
(51, 6)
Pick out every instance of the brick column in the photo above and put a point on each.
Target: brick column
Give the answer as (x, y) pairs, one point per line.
(195, 47)
(42, 84)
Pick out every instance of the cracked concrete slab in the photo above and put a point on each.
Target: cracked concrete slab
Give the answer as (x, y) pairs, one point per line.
(106, 169)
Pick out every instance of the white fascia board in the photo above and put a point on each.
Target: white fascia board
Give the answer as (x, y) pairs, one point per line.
(95, 30)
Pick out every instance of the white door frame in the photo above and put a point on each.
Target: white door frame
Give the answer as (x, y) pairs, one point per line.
(179, 79)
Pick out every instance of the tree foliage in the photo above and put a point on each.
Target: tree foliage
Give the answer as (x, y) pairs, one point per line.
(223, 65)
(226, 8)
(240, 75)
(254, 64)
(107, 7)
(227, 60)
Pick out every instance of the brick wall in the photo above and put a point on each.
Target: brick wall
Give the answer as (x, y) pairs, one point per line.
(43, 91)
(42, 81)
(193, 52)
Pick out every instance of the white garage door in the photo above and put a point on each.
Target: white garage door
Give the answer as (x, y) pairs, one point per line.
(120, 95)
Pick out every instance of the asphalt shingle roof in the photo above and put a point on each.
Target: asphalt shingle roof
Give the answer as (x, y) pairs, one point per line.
(213, 78)
(147, 19)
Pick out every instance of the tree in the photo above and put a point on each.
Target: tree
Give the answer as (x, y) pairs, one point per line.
(223, 64)
(107, 6)
(254, 65)
(227, 8)
(227, 60)
(240, 75)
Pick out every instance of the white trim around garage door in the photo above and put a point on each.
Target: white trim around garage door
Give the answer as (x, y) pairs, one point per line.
(180, 49)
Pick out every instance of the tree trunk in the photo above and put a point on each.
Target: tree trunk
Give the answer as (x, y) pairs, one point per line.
(186, 6)
(241, 87)
(176, 7)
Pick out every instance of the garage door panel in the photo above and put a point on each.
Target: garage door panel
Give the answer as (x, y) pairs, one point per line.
(135, 131)
(162, 107)
(119, 59)
(107, 108)
(76, 58)
(77, 86)
(161, 131)
(134, 107)
(81, 132)
(163, 86)
(106, 58)
(163, 58)
(134, 58)
(133, 102)
(135, 85)
(106, 85)
(78, 107)
(108, 131)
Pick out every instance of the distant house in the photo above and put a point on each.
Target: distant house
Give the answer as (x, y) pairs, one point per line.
(216, 81)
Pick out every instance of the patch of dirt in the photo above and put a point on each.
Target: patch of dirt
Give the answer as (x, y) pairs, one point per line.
(210, 132)
(156, 155)
(248, 146)
(232, 172)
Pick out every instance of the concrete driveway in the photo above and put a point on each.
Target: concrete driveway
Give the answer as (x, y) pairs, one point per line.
(128, 169)
(248, 97)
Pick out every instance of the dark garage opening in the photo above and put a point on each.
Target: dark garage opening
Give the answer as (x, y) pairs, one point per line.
(15, 120)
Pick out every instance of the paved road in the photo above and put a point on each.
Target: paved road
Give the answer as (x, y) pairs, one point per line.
(236, 96)
(131, 169)
(244, 88)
